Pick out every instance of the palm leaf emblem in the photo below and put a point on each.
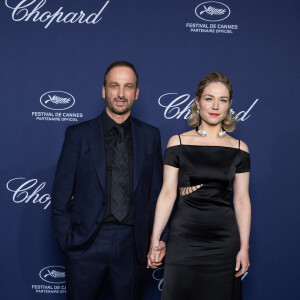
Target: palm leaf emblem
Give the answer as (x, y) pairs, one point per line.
(213, 11)
(57, 100)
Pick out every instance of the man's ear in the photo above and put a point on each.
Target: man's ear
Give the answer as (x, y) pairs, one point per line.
(137, 93)
(103, 92)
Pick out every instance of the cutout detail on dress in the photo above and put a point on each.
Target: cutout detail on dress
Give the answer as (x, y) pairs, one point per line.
(185, 190)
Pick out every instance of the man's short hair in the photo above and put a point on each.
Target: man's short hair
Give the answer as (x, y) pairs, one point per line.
(121, 63)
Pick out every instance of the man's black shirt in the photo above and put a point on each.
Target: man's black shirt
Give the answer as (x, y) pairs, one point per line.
(110, 137)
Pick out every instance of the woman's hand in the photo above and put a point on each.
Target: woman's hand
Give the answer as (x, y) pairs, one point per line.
(156, 254)
(242, 262)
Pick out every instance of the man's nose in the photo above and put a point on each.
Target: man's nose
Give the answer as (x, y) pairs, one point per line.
(121, 92)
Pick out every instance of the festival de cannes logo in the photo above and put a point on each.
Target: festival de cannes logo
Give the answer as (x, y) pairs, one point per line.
(57, 100)
(212, 11)
(53, 274)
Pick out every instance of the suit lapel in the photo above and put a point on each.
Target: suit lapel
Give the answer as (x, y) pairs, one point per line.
(138, 150)
(95, 137)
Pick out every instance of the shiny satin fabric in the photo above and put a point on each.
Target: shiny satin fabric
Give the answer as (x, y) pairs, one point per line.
(204, 238)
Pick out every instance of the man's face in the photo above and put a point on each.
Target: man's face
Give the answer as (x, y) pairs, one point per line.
(120, 90)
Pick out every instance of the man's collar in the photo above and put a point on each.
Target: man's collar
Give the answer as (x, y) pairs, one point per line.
(109, 123)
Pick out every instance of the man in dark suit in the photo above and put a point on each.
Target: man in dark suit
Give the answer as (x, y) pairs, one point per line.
(106, 184)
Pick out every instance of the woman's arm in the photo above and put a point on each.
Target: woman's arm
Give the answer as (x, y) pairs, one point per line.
(164, 206)
(242, 208)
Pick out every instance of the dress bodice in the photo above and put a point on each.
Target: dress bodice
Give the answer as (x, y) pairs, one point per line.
(209, 165)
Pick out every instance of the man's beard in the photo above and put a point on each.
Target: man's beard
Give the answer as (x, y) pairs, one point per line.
(120, 113)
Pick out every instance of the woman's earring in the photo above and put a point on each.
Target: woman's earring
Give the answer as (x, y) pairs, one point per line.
(198, 111)
(222, 133)
(202, 132)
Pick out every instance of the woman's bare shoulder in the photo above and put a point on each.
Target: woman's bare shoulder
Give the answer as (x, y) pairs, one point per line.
(244, 147)
(188, 133)
(235, 143)
(173, 141)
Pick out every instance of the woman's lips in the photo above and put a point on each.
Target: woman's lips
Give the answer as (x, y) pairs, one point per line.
(214, 115)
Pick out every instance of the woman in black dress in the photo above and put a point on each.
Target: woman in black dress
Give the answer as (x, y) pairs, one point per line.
(207, 250)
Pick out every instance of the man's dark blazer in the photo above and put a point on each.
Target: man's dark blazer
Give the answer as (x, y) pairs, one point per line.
(79, 191)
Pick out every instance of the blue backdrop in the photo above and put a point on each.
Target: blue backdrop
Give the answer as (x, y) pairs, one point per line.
(53, 57)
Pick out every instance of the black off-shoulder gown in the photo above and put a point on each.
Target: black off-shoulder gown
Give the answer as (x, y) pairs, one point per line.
(204, 238)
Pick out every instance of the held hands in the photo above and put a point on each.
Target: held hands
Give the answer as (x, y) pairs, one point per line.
(156, 253)
(242, 262)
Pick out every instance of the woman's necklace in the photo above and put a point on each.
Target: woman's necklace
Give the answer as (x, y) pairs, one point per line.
(203, 132)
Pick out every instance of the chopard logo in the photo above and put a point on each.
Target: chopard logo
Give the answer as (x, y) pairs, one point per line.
(244, 276)
(158, 275)
(57, 100)
(26, 11)
(212, 11)
(53, 274)
(25, 191)
(177, 106)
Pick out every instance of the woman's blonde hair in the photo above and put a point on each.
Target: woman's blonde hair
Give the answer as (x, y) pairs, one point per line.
(228, 124)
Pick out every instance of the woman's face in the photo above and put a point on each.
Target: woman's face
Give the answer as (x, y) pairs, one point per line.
(214, 103)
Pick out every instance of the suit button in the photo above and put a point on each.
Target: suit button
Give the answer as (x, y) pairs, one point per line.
(97, 223)
(103, 203)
